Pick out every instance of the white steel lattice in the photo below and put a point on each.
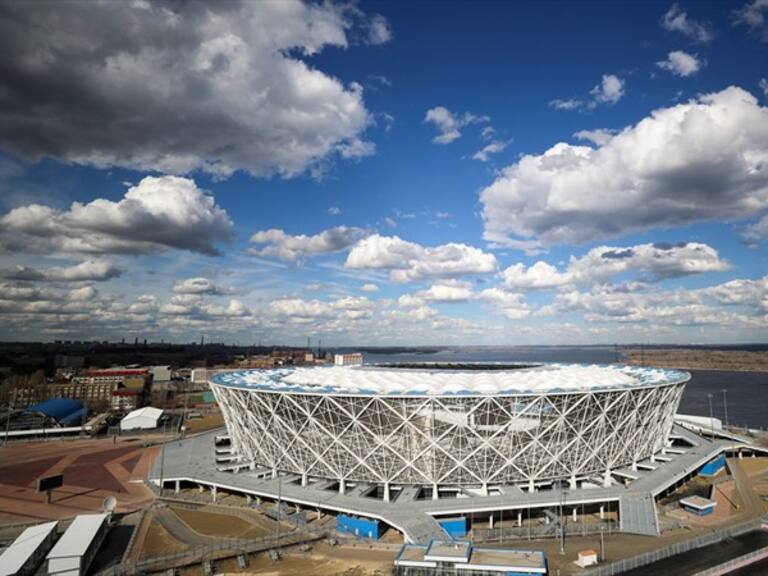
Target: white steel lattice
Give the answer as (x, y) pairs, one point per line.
(475, 440)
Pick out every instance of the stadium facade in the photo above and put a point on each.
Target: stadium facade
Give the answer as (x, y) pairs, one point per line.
(450, 425)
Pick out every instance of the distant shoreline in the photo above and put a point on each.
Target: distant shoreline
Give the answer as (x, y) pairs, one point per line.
(698, 359)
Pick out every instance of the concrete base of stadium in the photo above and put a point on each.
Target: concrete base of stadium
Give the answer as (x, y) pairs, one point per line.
(414, 511)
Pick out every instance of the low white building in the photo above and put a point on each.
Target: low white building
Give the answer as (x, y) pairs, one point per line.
(27, 551)
(142, 419)
(160, 373)
(354, 359)
(74, 552)
(199, 376)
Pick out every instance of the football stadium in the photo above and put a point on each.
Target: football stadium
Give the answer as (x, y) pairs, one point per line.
(465, 425)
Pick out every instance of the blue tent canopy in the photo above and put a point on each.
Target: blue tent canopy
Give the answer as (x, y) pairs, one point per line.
(63, 410)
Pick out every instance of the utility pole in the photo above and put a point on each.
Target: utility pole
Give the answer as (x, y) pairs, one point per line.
(602, 544)
(725, 406)
(711, 414)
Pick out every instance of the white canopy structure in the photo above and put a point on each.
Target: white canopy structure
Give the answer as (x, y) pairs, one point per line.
(141, 419)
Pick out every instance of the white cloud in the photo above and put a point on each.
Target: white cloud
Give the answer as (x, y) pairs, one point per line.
(334, 211)
(609, 91)
(379, 30)
(695, 161)
(447, 291)
(741, 292)
(159, 213)
(278, 244)
(538, 276)
(599, 136)
(183, 87)
(511, 304)
(653, 261)
(754, 15)
(201, 285)
(369, 287)
(484, 154)
(681, 63)
(84, 294)
(758, 230)
(569, 104)
(449, 124)
(763, 84)
(408, 261)
(676, 20)
(88, 270)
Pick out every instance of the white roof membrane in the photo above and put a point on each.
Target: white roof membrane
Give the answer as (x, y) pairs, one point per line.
(16, 555)
(432, 380)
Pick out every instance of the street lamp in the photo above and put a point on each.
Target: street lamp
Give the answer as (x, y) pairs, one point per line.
(725, 406)
(711, 415)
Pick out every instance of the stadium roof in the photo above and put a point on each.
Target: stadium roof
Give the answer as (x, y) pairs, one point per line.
(438, 380)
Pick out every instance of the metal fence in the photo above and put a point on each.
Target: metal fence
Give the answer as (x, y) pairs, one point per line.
(543, 531)
(224, 548)
(622, 566)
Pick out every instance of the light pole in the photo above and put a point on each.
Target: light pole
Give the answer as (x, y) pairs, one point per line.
(711, 415)
(725, 406)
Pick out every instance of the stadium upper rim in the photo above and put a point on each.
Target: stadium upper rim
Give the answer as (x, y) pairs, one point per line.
(436, 379)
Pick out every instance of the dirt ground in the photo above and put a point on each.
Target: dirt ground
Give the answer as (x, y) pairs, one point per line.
(207, 422)
(754, 466)
(699, 359)
(323, 560)
(159, 543)
(221, 525)
(92, 469)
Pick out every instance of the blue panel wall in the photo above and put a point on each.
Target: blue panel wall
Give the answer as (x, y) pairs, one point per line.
(361, 527)
(454, 527)
(713, 466)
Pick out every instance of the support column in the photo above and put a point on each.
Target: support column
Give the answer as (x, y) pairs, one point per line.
(200, 488)
(213, 493)
(490, 521)
(304, 481)
(252, 465)
(519, 518)
(575, 517)
(386, 491)
(607, 478)
(572, 483)
(531, 486)
(342, 486)
(546, 518)
(177, 487)
(602, 511)
(634, 466)
(274, 473)
(741, 455)
(435, 493)
(248, 499)
(653, 457)
(484, 489)
(319, 514)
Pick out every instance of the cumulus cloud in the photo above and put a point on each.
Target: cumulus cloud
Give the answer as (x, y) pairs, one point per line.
(448, 123)
(277, 244)
(447, 291)
(681, 63)
(676, 20)
(653, 261)
(511, 304)
(700, 160)
(485, 153)
(754, 15)
(159, 213)
(182, 86)
(608, 91)
(408, 261)
(740, 292)
(763, 84)
(369, 287)
(88, 270)
(598, 136)
(201, 285)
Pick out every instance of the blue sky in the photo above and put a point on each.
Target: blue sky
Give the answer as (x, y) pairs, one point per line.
(384, 173)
